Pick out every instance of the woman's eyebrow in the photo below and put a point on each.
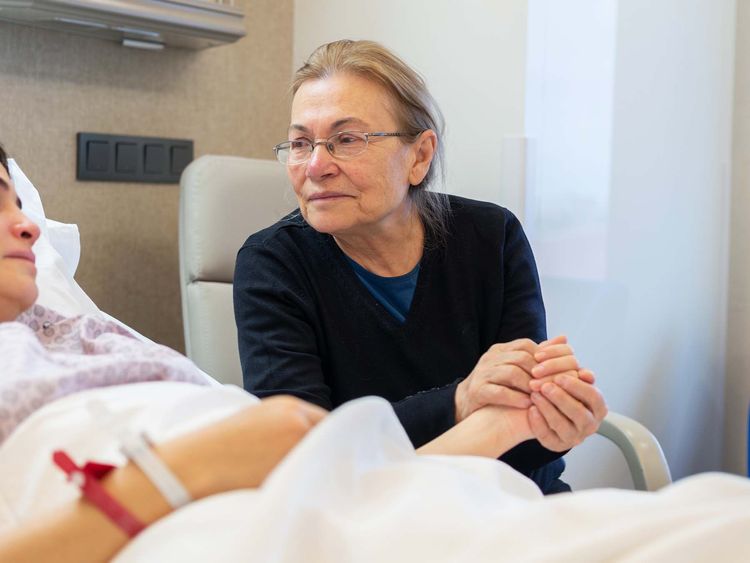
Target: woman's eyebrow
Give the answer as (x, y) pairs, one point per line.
(348, 121)
(334, 126)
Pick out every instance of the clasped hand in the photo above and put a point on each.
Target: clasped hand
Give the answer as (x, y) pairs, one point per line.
(563, 405)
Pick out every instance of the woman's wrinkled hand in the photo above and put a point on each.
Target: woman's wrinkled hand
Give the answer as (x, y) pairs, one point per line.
(563, 405)
(501, 377)
(566, 410)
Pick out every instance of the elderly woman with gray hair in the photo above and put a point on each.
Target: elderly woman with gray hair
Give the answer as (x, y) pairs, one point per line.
(377, 286)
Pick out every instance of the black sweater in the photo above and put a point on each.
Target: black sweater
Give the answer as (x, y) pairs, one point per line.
(308, 327)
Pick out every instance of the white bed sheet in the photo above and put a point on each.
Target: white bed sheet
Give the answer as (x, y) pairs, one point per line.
(363, 495)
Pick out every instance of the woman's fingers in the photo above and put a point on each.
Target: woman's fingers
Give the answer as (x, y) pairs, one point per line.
(542, 431)
(587, 375)
(572, 410)
(555, 365)
(521, 344)
(519, 358)
(507, 371)
(510, 376)
(581, 419)
(587, 394)
(501, 395)
(552, 351)
(561, 339)
(536, 384)
(556, 434)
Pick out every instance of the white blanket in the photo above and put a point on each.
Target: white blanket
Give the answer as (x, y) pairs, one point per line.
(354, 490)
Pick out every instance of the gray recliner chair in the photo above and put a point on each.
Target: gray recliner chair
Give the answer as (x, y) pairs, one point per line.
(223, 199)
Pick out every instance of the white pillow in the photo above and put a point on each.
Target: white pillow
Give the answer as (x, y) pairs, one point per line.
(57, 253)
(66, 239)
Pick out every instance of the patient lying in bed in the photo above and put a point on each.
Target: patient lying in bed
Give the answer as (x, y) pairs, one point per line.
(342, 487)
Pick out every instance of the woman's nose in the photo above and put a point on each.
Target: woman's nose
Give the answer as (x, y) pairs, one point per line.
(25, 228)
(321, 162)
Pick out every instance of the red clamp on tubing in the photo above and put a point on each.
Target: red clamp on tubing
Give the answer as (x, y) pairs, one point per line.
(87, 479)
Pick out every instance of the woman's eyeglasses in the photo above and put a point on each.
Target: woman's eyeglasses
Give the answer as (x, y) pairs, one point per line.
(344, 145)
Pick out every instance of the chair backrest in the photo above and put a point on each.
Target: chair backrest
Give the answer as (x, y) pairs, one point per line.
(223, 199)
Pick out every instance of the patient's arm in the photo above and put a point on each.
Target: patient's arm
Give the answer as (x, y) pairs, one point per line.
(238, 452)
(489, 431)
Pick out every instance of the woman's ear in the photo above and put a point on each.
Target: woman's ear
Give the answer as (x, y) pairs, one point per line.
(424, 149)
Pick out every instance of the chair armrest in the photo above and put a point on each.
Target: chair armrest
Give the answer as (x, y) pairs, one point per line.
(645, 458)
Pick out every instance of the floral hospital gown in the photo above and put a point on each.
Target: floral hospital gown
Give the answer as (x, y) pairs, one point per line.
(45, 356)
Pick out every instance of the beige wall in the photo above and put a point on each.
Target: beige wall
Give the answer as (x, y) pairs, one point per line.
(229, 100)
(738, 333)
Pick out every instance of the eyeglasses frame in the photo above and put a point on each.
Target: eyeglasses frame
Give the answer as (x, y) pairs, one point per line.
(327, 144)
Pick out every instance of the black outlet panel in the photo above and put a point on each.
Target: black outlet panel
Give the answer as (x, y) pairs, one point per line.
(122, 158)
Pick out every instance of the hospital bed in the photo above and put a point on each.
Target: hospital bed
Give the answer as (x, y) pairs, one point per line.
(224, 199)
(353, 489)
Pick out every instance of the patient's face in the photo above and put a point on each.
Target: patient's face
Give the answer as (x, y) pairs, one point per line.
(18, 289)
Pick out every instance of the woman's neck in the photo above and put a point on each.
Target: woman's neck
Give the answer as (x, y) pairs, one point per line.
(393, 251)
(9, 311)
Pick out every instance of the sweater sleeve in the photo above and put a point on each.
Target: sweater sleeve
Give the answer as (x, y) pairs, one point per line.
(523, 317)
(427, 414)
(278, 344)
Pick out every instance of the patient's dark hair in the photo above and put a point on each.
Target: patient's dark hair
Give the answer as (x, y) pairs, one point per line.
(4, 159)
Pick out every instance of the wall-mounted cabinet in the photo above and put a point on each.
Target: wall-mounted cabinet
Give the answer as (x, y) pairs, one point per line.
(148, 24)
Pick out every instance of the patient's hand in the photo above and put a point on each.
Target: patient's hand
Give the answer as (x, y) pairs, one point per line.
(489, 432)
(501, 377)
(241, 450)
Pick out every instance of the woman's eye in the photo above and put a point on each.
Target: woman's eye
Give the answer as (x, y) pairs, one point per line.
(299, 144)
(348, 139)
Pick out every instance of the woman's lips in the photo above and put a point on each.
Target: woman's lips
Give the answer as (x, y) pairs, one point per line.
(326, 197)
(23, 255)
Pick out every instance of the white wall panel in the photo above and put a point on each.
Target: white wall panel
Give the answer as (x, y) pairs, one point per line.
(652, 322)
